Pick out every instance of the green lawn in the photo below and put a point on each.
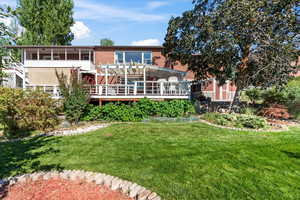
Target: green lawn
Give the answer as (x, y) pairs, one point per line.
(180, 161)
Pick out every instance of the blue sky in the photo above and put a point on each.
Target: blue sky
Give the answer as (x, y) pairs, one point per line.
(127, 22)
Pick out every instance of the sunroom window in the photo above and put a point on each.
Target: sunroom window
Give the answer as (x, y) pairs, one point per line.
(140, 57)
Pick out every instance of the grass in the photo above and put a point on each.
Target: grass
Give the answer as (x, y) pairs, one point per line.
(180, 161)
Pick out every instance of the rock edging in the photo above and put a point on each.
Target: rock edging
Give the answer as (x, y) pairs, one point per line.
(128, 188)
(78, 131)
(282, 128)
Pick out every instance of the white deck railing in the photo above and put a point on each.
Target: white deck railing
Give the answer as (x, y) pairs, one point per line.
(139, 88)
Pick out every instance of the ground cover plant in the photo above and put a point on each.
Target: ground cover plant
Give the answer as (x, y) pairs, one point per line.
(236, 120)
(179, 161)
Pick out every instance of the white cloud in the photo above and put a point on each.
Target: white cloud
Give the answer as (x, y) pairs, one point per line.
(100, 11)
(80, 30)
(148, 42)
(156, 4)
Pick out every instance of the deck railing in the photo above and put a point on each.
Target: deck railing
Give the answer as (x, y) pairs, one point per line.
(141, 88)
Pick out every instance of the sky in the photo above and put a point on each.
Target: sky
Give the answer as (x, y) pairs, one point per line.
(126, 22)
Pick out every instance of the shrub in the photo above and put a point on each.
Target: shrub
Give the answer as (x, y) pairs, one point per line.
(275, 111)
(75, 97)
(254, 95)
(139, 110)
(236, 120)
(275, 96)
(248, 111)
(22, 111)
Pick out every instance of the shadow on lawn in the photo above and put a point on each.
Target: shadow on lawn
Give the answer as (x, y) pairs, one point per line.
(292, 154)
(22, 156)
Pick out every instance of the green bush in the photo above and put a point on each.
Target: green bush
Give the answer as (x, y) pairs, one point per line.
(75, 97)
(236, 120)
(139, 110)
(274, 96)
(254, 95)
(22, 111)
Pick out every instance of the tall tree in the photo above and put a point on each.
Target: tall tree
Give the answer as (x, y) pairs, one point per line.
(46, 22)
(106, 42)
(248, 42)
(6, 38)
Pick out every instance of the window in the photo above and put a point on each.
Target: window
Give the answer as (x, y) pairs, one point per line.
(119, 58)
(147, 58)
(133, 57)
(140, 57)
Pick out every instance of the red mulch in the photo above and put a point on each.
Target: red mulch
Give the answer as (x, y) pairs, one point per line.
(58, 189)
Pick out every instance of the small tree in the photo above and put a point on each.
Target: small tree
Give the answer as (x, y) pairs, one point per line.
(248, 42)
(76, 98)
(106, 42)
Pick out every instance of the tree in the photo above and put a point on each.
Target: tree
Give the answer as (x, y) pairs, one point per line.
(106, 42)
(46, 22)
(248, 42)
(75, 97)
(6, 38)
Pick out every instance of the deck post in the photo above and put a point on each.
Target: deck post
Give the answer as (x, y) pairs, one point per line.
(66, 54)
(126, 81)
(144, 80)
(106, 81)
(135, 88)
(161, 88)
(79, 54)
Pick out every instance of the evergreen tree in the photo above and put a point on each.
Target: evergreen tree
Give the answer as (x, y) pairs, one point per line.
(248, 42)
(46, 22)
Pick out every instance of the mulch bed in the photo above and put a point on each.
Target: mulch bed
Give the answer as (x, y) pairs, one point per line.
(59, 189)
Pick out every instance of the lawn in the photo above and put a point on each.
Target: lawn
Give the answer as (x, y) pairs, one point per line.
(180, 161)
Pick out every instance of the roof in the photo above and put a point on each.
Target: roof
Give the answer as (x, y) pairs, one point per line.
(84, 47)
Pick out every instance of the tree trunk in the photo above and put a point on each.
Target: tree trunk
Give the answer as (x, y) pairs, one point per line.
(236, 99)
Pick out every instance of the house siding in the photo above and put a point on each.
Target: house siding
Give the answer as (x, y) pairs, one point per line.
(45, 76)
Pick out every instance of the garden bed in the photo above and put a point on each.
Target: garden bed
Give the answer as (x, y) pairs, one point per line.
(72, 185)
(242, 122)
(54, 189)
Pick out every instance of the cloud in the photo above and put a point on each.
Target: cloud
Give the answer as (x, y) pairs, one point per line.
(100, 11)
(148, 42)
(156, 4)
(80, 30)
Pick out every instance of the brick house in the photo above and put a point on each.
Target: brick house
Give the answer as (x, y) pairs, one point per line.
(115, 73)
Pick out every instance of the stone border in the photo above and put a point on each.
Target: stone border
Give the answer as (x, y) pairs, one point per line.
(77, 131)
(282, 127)
(128, 188)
